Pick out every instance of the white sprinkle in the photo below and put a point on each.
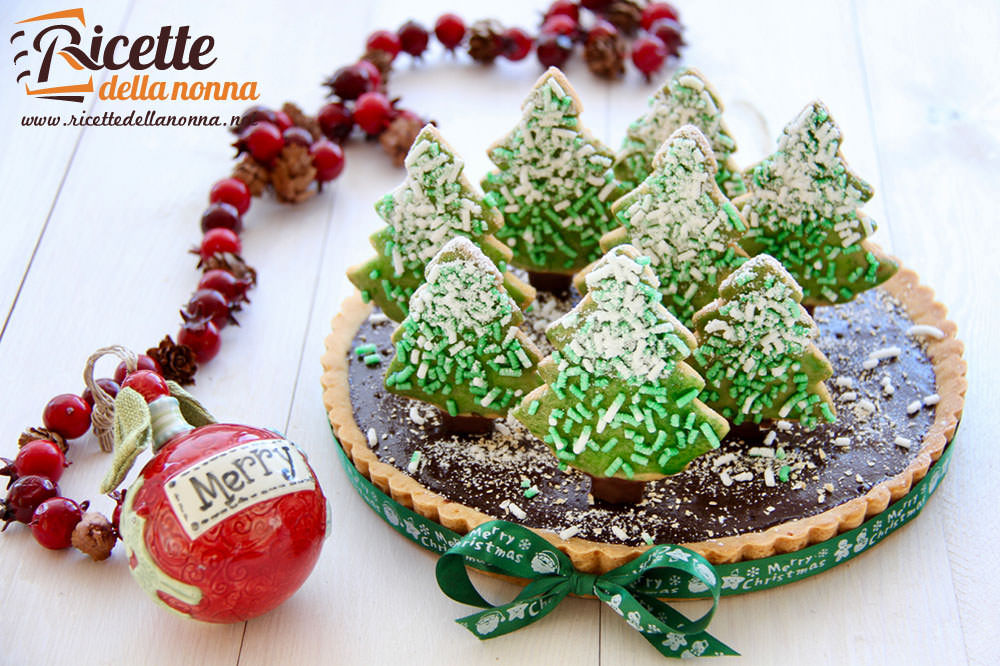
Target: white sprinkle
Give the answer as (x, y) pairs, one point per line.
(619, 533)
(648, 539)
(569, 532)
(914, 407)
(771, 436)
(743, 476)
(903, 442)
(844, 382)
(769, 478)
(416, 416)
(849, 396)
(863, 409)
(925, 329)
(784, 425)
(869, 363)
(724, 460)
(842, 442)
(372, 437)
(414, 462)
(725, 478)
(377, 318)
(517, 511)
(761, 451)
(931, 399)
(885, 352)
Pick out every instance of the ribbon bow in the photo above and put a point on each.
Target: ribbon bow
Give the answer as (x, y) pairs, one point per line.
(630, 590)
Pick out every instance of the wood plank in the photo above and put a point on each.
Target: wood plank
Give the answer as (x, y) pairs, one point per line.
(937, 113)
(36, 159)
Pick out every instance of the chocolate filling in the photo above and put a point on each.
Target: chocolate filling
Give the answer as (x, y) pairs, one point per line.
(737, 488)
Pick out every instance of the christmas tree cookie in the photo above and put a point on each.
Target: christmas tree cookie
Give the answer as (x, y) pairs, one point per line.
(802, 209)
(680, 219)
(554, 185)
(619, 400)
(435, 203)
(686, 99)
(756, 352)
(460, 347)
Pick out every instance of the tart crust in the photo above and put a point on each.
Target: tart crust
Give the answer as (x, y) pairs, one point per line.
(596, 557)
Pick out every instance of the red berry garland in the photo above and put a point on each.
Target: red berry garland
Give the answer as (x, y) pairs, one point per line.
(294, 154)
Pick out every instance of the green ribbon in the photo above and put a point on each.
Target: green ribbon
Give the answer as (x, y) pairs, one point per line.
(506, 548)
(656, 583)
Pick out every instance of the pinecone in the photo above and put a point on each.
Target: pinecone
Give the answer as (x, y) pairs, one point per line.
(382, 61)
(293, 174)
(253, 174)
(176, 361)
(398, 137)
(31, 434)
(300, 119)
(626, 15)
(605, 56)
(485, 40)
(233, 263)
(94, 535)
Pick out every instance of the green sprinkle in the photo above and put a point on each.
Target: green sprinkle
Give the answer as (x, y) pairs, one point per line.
(687, 397)
(452, 407)
(783, 473)
(533, 407)
(531, 492)
(372, 359)
(363, 350)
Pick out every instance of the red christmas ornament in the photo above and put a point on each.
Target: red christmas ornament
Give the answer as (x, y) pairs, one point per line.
(225, 522)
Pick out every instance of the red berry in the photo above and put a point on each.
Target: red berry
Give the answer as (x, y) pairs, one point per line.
(383, 40)
(67, 414)
(202, 336)
(602, 29)
(564, 8)
(143, 362)
(25, 496)
(374, 75)
(232, 191)
(282, 121)
(413, 38)
(657, 10)
(41, 457)
(450, 30)
(224, 282)
(53, 522)
(559, 24)
(516, 44)
(207, 303)
(553, 50)
(262, 140)
(149, 384)
(372, 112)
(648, 54)
(219, 240)
(328, 159)
(221, 215)
(253, 115)
(298, 135)
(351, 81)
(336, 121)
(107, 384)
(670, 33)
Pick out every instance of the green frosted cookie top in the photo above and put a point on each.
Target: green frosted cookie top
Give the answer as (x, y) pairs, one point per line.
(680, 219)
(802, 209)
(686, 99)
(459, 347)
(756, 349)
(435, 203)
(554, 183)
(618, 398)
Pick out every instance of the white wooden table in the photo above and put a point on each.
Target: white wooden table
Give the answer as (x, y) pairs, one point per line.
(96, 223)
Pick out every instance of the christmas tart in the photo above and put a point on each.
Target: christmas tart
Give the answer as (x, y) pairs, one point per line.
(819, 383)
